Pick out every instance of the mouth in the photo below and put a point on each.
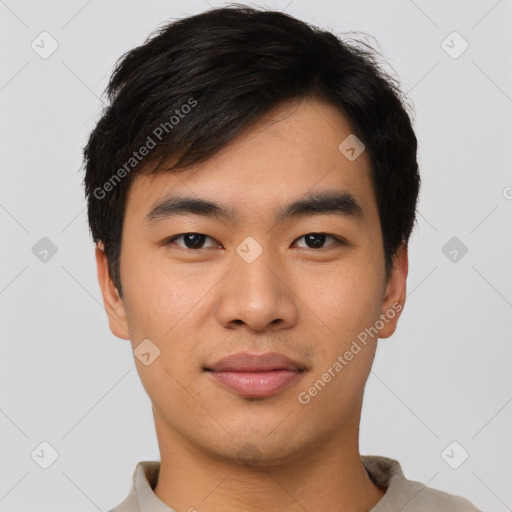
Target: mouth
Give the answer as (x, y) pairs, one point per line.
(256, 375)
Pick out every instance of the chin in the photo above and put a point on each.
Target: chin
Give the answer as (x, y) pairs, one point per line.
(259, 449)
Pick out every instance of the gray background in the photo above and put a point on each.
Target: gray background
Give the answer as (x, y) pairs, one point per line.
(445, 374)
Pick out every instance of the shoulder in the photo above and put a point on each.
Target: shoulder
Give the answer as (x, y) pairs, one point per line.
(428, 499)
(141, 496)
(408, 495)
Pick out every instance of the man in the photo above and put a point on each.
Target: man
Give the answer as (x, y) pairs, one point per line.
(252, 188)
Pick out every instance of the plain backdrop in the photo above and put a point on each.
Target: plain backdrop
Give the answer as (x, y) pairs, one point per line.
(444, 377)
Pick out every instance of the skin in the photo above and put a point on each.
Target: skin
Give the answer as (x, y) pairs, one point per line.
(199, 305)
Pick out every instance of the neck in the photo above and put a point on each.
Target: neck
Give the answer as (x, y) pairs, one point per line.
(328, 476)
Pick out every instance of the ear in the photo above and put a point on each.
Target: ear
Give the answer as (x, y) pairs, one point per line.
(394, 296)
(113, 303)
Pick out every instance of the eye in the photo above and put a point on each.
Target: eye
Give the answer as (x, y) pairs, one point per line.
(315, 240)
(191, 240)
(195, 241)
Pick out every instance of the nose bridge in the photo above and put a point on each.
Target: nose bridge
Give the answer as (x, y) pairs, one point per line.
(256, 294)
(253, 271)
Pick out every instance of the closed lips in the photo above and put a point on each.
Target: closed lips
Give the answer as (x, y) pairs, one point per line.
(247, 362)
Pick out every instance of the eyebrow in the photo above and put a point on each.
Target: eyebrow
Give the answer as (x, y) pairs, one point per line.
(343, 204)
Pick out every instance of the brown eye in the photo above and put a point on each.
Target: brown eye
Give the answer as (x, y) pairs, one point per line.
(190, 240)
(317, 240)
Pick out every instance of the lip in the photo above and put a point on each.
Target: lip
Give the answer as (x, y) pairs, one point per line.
(250, 362)
(256, 375)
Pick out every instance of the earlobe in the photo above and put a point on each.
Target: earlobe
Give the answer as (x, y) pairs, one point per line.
(396, 290)
(113, 303)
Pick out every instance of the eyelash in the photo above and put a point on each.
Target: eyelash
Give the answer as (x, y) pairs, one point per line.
(338, 241)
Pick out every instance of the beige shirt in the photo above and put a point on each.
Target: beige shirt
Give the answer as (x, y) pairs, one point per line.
(401, 494)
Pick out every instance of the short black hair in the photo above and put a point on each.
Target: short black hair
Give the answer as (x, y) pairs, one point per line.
(197, 82)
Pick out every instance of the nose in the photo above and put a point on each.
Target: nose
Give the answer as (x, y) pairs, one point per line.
(257, 296)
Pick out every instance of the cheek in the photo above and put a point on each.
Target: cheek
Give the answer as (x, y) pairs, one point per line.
(346, 298)
(333, 392)
(344, 311)
(161, 306)
(155, 299)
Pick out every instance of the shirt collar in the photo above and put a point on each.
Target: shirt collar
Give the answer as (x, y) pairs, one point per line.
(385, 472)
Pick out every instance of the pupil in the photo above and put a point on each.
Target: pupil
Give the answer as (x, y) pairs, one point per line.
(196, 240)
(311, 238)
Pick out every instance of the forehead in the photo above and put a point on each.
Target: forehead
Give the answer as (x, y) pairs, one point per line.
(292, 151)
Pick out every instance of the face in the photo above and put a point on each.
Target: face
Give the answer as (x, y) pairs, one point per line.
(309, 285)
